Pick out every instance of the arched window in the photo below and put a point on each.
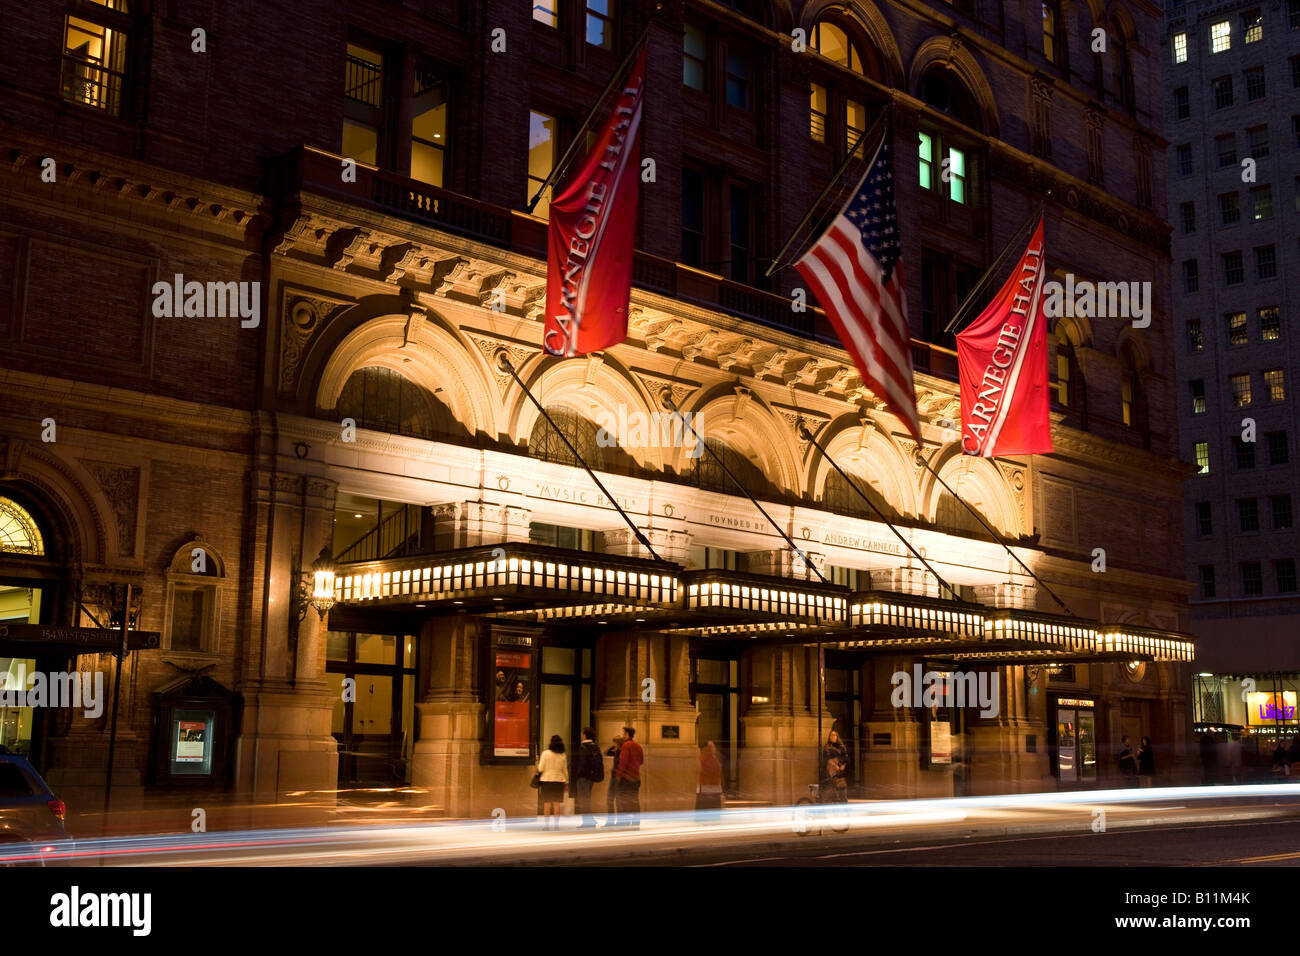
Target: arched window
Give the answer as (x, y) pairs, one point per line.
(832, 42)
(387, 401)
(1071, 389)
(842, 499)
(195, 583)
(1122, 75)
(545, 442)
(707, 473)
(952, 515)
(1133, 405)
(19, 532)
(839, 113)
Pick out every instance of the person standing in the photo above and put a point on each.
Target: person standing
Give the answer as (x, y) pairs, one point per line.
(554, 770)
(611, 796)
(1281, 760)
(708, 794)
(1127, 762)
(630, 759)
(1146, 761)
(835, 762)
(588, 770)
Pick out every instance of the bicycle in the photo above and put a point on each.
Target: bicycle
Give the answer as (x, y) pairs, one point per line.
(801, 813)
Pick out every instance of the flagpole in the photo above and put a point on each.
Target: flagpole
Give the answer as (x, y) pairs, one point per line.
(614, 80)
(807, 435)
(672, 407)
(920, 460)
(835, 178)
(1014, 242)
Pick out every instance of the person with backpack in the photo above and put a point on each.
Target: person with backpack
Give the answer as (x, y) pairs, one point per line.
(588, 770)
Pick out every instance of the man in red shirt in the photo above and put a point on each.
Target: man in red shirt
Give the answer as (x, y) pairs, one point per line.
(630, 759)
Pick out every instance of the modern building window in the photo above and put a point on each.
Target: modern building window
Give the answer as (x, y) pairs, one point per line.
(95, 44)
(1234, 273)
(1198, 396)
(1182, 103)
(1245, 454)
(1257, 141)
(1180, 47)
(1186, 166)
(1222, 92)
(1278, 452)
(1270, 323)
(1220, 36)
(1204, 518)
(547, 12)
(692, 217)
(1284, 575)
(1202, 451)
(1191, 278)
(694, 54)
(1237, 328)
(739, 92)
(1261, 201)
(1252, 579)
(1252, 26)
(542, 133)
(1229, 208)
(363, 105)
(1225, 148)
(1274, 382)
(429, 129)
(1255, 84)
(1248, 514)
(817, 120)
(1240, 385)
(1188, 211)
(1282, 517)
(1265, 262)
(1195, 340)
(600, 23)
(1207, 580)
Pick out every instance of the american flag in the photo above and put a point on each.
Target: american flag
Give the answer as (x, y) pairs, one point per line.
(856, 274)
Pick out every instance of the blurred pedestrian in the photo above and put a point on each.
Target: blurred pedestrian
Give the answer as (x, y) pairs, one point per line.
(1281, 760)
(1146, 760)
(1209, 759)
(1127, 762)
(588, 770)
(611, 795)
(628, 801)
(708, 794)
(555, 777)
(835, 763)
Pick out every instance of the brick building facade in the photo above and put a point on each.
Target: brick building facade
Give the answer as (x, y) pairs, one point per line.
(388, 296)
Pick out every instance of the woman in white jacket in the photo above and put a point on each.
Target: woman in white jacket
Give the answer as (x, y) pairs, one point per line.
(554, 770)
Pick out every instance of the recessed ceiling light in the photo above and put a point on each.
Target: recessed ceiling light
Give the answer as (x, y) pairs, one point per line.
(358, 515)
(419, 605)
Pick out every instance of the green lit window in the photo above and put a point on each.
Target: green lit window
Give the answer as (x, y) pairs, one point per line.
(957, 175)
(926, 151)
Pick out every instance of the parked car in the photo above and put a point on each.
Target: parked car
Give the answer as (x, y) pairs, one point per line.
(29, 810)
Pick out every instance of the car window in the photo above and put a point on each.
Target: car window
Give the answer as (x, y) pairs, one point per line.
(13, 782)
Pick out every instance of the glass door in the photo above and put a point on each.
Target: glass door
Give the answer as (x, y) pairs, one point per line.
(715, 690)
(1067, 756)
(373, 679)
(1087, 746)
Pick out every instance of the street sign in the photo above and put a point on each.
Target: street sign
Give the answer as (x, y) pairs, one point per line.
(88, 639)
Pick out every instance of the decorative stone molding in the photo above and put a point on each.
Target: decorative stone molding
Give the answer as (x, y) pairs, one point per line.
(672, 546)
(301, 317)
(906, 580)
(786, 563)
(121, 486)
(1007, 594)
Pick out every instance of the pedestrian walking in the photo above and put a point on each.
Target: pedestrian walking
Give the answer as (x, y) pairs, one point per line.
(630, 759)
(611, 796)
(834, 770)
(588, 770)
(1127, 762)
(708, 793)
(1146, 760)
(1281, 760)
(554, 771)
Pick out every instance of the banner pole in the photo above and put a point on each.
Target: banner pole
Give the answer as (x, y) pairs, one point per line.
(1014, 242)
(920, 460)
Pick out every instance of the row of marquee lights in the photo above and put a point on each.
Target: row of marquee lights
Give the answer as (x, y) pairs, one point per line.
(796, 606)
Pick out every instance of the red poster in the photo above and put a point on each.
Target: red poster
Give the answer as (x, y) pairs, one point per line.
(511, 705)
(1002, 363)
(593, 221)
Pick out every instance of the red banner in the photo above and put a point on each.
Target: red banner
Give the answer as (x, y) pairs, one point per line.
(1002, 365)
(593, 222)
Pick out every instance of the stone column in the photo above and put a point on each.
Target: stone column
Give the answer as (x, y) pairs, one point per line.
(893, 736)
(642, 681)
(778, 685)
(1001, 762)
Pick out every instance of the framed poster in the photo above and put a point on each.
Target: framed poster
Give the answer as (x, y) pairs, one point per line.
(192, 738)
(512, 700)
(940, 742)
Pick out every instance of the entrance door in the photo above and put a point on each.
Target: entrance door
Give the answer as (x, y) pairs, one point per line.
(716, 693)
(1067, 745)
(373, 677)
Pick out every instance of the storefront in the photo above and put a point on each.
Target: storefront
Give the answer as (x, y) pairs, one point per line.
(1072, 737)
